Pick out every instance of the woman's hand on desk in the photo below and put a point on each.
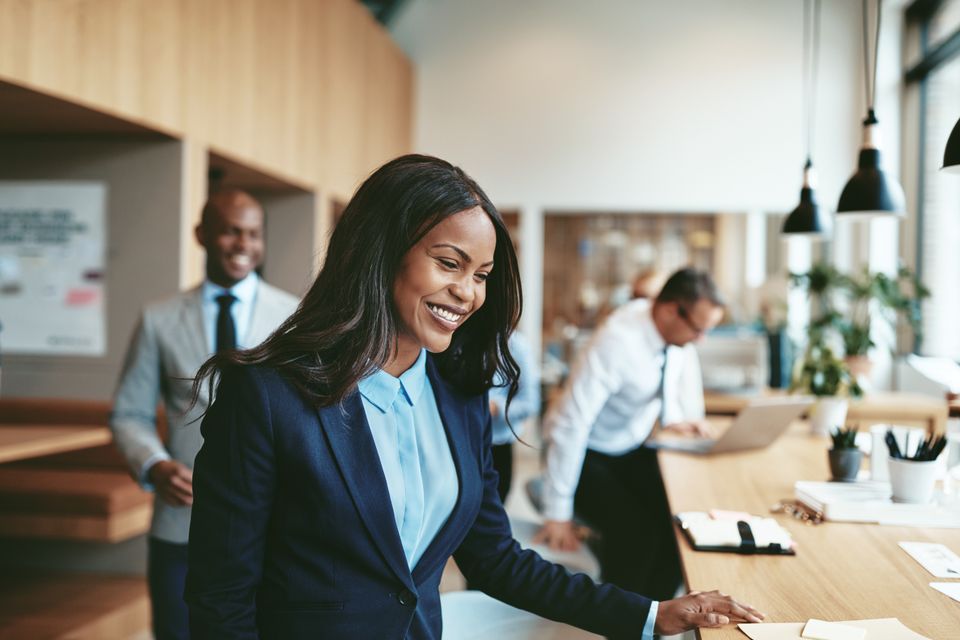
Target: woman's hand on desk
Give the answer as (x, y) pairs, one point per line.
(697, 428)
(559, 535)
(701, 609)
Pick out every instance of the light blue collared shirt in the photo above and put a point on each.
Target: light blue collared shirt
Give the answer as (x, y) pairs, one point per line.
(409, 435)
(527, 401)
(380, 393)
(651, 619)
(245, 292)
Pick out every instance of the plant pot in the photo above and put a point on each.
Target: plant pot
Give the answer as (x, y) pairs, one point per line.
(845, 464)
(828, 414)
(912, 481)
(861, 366)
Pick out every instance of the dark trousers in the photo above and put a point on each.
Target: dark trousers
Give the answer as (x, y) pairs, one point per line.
(622, 498)
(167, 576)
(503, 463)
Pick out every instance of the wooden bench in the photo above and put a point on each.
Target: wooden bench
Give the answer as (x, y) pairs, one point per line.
(77, 495)
(58, 606)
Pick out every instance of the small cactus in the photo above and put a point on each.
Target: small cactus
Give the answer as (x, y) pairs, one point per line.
(844, 438)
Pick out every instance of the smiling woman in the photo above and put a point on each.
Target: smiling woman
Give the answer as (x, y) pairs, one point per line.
(442, 281)
(348, 456)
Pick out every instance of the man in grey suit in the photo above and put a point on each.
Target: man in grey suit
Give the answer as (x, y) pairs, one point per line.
(233, 308)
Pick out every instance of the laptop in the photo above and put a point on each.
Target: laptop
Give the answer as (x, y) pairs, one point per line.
(756, 426)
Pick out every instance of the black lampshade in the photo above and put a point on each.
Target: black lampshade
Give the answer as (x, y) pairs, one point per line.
(870, 191)
(808, 218)
(951, 154)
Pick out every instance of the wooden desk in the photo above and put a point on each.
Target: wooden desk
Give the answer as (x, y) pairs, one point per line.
(21, 441)
(841, 571)
(893, 407)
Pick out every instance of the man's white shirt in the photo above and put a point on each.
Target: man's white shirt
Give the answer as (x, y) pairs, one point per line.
(611, 401)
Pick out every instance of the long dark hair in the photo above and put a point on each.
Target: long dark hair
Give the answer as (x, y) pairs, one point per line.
(347, 325)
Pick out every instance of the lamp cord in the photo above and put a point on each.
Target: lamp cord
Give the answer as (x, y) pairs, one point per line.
(871, 90)
(811, 63)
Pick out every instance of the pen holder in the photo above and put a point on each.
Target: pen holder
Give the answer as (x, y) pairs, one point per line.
(912, 481)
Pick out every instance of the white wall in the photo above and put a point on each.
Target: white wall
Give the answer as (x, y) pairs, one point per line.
(639, 105)
(682, 105)
(289, 232)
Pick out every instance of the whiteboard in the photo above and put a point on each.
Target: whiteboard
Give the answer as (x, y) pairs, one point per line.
(52, 287)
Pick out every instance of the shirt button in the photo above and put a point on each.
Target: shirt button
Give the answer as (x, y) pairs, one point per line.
(406, 598)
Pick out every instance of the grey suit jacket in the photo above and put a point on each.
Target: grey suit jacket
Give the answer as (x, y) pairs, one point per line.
(167, 349)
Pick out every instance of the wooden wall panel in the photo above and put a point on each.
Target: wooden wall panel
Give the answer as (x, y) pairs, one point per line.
(346, 32)
(375, 108)
(53, 34)
(14, 48)
(161, 58)
(312, 91)
(309, 130)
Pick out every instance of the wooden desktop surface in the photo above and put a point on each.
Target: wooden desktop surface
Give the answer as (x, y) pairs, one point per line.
(894, 407)
(841, 571)
(22, 441)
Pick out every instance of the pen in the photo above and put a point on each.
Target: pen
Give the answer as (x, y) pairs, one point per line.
(938, 448)
(892, 445)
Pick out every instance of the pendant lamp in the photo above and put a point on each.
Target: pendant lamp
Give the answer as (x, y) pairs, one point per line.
(951, 154)
(871, 192)
(808, 218)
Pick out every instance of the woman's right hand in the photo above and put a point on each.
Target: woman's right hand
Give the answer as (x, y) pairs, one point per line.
(702, 609)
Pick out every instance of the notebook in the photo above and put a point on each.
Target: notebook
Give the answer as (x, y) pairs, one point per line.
(745, 534)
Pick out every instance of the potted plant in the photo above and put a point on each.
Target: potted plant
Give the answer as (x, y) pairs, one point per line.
(844, 456)
(846, 305)
(877, 295)
(822, 374)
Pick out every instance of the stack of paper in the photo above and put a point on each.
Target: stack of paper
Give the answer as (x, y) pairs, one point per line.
(823, 630)
(881, 629)
(868, 501)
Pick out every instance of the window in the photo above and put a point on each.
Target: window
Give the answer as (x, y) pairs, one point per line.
(938, 73)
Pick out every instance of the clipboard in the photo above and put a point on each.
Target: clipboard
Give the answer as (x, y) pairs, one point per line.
(747, 544)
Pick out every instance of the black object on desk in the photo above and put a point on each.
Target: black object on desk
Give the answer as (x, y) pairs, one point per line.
(748, 544)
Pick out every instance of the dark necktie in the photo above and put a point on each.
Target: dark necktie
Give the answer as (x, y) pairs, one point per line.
(661, 392)
(226, 329)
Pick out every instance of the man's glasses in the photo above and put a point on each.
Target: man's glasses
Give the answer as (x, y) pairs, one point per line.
(685, 315)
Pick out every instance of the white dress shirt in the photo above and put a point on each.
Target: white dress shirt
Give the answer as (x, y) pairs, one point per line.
(612, 399)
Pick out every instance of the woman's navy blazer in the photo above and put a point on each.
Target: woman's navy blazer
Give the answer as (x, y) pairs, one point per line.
(293, 534)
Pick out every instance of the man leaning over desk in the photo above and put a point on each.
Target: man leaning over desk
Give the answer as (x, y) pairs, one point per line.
(626, 380)
(232, 308)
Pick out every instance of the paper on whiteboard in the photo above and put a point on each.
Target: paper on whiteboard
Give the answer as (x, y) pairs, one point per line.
(52, 268)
